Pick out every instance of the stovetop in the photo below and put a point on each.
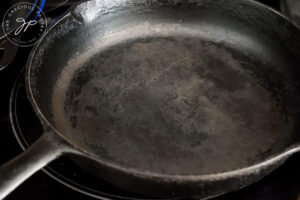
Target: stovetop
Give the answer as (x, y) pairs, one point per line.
(63, 179)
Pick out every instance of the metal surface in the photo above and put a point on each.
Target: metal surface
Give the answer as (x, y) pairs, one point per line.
(292, 9)
(165, 96)
(17, 171)
(282, 184)
(27, 129)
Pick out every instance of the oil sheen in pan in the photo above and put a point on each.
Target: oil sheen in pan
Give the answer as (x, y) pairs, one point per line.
(175, 104)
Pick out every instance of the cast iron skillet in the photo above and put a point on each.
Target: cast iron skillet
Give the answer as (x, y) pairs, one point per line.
(178, 98)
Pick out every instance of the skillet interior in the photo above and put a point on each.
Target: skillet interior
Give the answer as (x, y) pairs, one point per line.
(179, 90)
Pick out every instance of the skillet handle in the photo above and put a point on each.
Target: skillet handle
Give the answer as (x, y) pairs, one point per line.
(46, 149)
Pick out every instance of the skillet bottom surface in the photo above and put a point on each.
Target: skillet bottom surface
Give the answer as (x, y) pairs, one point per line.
(171, 105)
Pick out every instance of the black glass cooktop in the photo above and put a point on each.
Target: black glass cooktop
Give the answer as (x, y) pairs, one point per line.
(63, 179)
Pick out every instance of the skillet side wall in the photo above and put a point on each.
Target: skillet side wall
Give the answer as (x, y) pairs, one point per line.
(164, 188)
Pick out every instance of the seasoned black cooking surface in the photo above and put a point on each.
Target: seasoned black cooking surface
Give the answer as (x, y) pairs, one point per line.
(181, 107)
